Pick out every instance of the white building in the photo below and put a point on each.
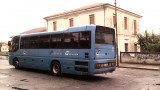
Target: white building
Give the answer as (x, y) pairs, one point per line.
(4, 47)
(101, 14)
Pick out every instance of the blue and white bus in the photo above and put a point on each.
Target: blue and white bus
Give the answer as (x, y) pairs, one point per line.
(83, 50)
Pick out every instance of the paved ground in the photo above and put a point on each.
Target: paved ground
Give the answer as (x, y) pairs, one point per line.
(121, 79)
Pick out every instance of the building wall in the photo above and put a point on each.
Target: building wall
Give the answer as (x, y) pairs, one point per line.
(124, 35)
(79, 19)
(104, 16)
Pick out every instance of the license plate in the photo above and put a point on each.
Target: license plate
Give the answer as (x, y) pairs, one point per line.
(106, 65)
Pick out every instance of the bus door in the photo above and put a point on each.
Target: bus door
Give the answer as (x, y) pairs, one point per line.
(24, 51)
(23, 60)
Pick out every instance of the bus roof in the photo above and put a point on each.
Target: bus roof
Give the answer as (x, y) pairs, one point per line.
(70, 29)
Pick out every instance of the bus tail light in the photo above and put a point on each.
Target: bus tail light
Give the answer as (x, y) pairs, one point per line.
(105, 65)
(97, 66)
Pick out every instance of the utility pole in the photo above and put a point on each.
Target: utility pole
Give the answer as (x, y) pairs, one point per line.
(117, 52)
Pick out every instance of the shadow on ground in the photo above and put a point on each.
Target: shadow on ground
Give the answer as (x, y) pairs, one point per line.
(86, 78)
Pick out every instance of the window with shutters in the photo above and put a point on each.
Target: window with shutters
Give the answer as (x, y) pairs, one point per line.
(125, 23)
(71, 22)
(135, 27)
(91, 19)
(114, 20)
(126, 47)
(55, 26)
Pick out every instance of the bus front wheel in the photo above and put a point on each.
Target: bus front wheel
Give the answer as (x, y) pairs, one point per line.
(16, 64)
(56, 68)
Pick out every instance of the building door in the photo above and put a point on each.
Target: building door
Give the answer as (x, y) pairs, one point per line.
(126, 47)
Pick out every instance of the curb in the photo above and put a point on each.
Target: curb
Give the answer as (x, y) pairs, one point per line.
(156, 69)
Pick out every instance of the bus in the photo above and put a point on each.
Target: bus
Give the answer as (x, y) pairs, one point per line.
(81, 50)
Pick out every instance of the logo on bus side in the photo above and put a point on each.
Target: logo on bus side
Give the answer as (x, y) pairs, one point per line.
(24, 52)
(55, 53)
(68, 53)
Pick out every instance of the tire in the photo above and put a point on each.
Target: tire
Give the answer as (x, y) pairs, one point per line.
(16, 64)
(56, 68)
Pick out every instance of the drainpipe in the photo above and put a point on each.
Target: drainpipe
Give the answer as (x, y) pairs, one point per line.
(47, 25)
(117, 51)
(104, 13)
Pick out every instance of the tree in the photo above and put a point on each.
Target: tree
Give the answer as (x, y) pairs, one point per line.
(149, 42)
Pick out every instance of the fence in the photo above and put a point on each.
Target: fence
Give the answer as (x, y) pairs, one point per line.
(140, 58)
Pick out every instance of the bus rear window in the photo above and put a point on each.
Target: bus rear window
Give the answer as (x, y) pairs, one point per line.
(104, 35)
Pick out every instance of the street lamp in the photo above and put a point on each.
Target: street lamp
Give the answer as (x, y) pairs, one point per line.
(115, 2)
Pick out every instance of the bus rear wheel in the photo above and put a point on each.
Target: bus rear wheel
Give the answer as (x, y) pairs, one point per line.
(16, 64)
(56, 68)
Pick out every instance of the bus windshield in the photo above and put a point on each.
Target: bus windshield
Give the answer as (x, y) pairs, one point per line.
(14, 44)
(104, 35)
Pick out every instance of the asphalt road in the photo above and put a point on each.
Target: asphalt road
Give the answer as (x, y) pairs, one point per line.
(121, 79)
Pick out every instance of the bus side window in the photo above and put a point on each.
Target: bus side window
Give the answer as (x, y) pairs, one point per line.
(44, 42)
(24, 43)
(33, 42)
(71, 40)
(56, 41)
(85, 40)
(67, 40)
(53, 41)
(59, 41)
(75, 40)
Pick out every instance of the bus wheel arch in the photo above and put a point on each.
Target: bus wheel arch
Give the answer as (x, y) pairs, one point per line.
(16, 63)
(55, 67)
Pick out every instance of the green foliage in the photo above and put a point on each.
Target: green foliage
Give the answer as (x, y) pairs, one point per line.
(149, 42)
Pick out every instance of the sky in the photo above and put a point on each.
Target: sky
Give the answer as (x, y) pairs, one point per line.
(17, 16)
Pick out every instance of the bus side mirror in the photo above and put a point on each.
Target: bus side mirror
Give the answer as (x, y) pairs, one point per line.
(9, 43)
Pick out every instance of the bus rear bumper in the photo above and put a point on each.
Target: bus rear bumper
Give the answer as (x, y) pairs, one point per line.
(104, 70)
(92, 67)
(96, 71)
(103, 66)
